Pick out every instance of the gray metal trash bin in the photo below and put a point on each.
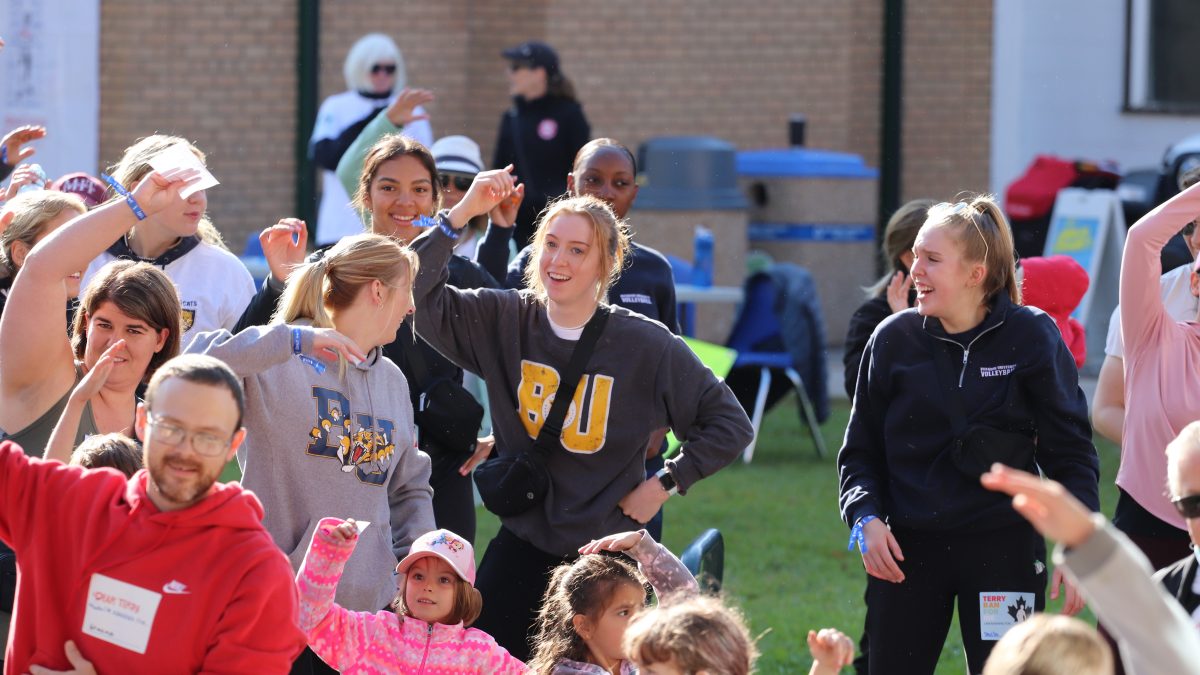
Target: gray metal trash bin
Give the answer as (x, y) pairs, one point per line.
(817, 209)
(688, 181)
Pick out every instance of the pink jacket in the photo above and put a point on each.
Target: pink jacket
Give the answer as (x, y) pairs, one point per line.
(384, 642)
(1162, 359)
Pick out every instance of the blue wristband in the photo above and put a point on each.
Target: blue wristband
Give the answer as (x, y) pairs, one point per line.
(443, 224)
(296, 342)
(856, 535)
(119, 189)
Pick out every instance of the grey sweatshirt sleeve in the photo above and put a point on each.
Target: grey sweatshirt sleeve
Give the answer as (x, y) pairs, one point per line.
(703, 412)
(255, 349)
(665, 572)
(410, 500)
(460, 324)
(1154, 633)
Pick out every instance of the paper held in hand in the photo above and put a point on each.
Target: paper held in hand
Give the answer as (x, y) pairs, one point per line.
(180, 157)
(362, 525)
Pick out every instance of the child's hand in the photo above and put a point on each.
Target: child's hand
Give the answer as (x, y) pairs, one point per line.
(97, 375)
(343, 532)
(831, 650)
(614, 542)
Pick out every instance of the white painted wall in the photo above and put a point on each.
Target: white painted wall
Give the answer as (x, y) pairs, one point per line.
(50, 75)
(1057, 76)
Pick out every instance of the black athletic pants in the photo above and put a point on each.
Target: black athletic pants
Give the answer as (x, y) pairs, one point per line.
(981, 572)
(453, 496)
(512, 579)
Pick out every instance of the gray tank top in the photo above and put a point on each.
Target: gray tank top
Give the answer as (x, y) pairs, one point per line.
(34, 437)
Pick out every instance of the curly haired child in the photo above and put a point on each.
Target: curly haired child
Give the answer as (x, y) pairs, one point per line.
(590, 602)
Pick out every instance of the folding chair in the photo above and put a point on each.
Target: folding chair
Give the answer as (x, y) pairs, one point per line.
(757, 325)
(705, 559)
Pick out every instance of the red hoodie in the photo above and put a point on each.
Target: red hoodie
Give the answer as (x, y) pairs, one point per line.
(226, 601)
(1056, 285)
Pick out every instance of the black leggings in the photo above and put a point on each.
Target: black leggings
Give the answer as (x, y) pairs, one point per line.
(512, 579)
(907, 622)
(453, 497)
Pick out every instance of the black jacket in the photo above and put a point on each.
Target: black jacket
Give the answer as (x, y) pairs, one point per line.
(1015, 374)
(868, 315)
(463, 274)
(1179, 580)
(550, 130)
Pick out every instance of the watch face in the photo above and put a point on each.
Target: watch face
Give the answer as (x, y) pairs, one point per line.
(667, 480)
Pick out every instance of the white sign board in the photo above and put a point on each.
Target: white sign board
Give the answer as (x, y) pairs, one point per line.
(1089, 226)
(49, 75)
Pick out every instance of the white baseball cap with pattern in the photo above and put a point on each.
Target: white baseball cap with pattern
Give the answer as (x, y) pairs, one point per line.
(458, 154)
(444, 544)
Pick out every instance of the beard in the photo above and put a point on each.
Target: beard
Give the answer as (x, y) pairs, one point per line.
(181, 491)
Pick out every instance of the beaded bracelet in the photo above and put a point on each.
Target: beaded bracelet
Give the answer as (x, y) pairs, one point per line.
(119, 189)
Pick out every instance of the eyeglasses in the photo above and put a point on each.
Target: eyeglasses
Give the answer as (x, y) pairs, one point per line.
(204, 443)
(389, 68)
(461, 183)
(1188, 507)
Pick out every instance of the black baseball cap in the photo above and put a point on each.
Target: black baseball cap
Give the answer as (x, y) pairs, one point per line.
(536, 54)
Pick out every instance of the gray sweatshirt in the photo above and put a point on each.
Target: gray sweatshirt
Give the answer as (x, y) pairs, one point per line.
(321, 445)
(1155, 634)
(640, 379)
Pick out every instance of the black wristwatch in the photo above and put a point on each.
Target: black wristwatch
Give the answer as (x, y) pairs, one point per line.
(667, 481)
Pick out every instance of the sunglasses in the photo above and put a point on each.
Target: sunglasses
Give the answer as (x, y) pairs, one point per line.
(1188, 507)
(461, 183)
(389, 68)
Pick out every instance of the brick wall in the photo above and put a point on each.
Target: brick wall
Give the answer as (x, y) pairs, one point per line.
(947, 97)
(222, 73)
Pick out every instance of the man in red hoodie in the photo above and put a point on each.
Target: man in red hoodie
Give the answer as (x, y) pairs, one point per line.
(168, 572)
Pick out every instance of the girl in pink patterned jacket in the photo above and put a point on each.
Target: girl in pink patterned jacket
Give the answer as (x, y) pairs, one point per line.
(428, 632)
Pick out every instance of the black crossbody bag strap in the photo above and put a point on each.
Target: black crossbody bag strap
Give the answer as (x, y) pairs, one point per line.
(552, 427)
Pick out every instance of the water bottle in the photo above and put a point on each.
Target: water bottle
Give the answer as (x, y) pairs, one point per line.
(702, 259)
(37, 184)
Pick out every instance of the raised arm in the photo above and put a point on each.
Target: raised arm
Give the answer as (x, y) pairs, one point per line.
(336, 634)
(404, 112)
(35, 354)
(260, 348)
(1142, 309)
(667, 574)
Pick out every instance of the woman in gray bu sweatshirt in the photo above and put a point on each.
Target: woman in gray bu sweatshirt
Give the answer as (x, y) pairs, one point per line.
(334, 438)
(639, 381)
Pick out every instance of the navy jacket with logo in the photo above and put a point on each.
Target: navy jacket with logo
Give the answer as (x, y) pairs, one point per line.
(1013, 372)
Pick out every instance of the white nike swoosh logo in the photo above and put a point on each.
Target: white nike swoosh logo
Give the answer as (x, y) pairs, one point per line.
(175, 588)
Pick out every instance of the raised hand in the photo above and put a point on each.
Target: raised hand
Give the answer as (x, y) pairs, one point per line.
(831, 650)
(22, 176)
(487, 191)
(283, 245)
(504, 214)
(345, 531)
(10, 145)
(158, 191)
(622, 541)
(97, 375)
(897, 292)
(400, 112)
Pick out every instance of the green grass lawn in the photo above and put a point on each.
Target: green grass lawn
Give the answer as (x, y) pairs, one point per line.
(786, 562)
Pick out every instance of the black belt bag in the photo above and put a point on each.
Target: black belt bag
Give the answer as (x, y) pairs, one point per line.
(513, 484)
(976, 447)
(447, 415)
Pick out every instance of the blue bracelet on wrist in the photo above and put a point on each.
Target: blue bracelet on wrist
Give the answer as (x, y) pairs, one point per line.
(120, 189)
(297, 343)
(856, 535)
(443, 223)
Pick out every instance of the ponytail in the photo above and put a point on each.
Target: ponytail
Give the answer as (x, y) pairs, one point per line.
(304, 296)
(986, 237)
